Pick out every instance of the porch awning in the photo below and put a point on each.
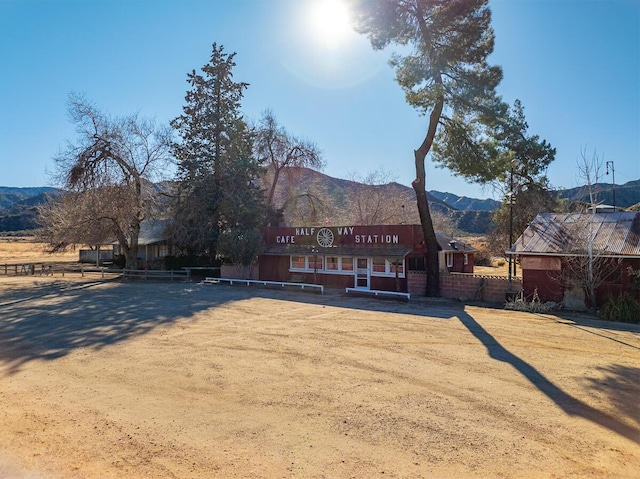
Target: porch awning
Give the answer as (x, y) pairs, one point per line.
(361, 251)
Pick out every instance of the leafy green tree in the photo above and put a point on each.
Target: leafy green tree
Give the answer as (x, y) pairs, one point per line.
(241, 247)
(520, 174)
(217, 186)
(506, 139)
(445, 74)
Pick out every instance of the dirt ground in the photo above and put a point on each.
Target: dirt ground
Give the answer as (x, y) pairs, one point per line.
(184, 380)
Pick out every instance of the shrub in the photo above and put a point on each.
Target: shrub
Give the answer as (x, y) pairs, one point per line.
(624, 308)
(533, 306)
(482, 257)
(119, 261)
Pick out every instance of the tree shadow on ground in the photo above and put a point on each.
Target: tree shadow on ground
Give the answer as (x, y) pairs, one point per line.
(49, 320)
(569, 404)
(620, 385)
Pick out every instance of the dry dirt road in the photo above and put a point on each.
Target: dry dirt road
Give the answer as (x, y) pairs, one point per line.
(148, 380)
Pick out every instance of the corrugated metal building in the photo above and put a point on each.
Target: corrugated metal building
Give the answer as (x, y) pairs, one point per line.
(552, 240)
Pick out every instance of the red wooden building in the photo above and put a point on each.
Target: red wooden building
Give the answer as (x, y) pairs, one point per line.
(378, 257)
(554, 241)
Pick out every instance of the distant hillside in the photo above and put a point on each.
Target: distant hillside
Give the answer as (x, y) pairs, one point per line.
(338, 200)
(18, 207)
(465, 203)
(627, 194)
(9, 196)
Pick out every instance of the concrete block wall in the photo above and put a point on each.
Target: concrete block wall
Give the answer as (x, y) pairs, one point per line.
(467, 287)
(231, 271)
(416, 282)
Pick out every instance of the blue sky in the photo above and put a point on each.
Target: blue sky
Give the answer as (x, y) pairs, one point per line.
(574, 64)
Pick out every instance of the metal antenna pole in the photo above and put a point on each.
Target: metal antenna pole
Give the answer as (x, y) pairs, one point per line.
(613, 178)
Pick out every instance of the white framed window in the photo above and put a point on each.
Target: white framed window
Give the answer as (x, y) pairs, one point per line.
(305, 263)
(298, 263)
(466, 259)
(379, 265)
(387, 267)
(449, 259)
(346, 264)
(396, 265)
(332, 263)
(319, 266)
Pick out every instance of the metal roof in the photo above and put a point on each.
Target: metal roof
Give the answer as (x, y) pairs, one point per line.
(152, 232)
(561, 234)
(450, 244)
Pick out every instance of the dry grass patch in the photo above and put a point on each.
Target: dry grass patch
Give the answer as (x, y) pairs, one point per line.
(27, 249)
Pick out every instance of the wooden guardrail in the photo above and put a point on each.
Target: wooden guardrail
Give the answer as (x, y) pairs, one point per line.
(150, 274)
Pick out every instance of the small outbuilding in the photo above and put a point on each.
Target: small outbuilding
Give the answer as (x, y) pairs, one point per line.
(153, 246)
(556, 246)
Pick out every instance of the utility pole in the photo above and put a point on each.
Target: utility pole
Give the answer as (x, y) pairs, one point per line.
(613, 178)
(514, 164)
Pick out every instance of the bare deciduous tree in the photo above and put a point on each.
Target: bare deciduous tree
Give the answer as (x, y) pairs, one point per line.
(370, 202)
(278, 150)
(310, 207)
(108, 174)
(587, 265)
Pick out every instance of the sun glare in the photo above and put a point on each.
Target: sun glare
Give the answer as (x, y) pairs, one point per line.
(330, 22)
(323, 49)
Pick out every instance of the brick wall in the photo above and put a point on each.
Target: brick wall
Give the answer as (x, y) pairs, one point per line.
(231, 271)
(416, 282)
(465, 287)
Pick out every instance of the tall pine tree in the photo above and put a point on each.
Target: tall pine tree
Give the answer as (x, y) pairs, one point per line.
(217, 187)
(445, 74)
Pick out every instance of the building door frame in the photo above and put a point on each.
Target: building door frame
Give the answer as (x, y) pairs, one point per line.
(362, 273)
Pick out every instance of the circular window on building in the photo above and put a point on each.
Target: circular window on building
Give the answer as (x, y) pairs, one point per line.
(325, 237)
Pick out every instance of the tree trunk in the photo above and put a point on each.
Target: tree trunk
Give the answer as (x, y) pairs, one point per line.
(430, 240)
(272, 190)
(419, 185)
(132, 257)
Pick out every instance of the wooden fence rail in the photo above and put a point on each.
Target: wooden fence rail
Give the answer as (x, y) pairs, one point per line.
(50, 269)
(147, 274)
(58, 269)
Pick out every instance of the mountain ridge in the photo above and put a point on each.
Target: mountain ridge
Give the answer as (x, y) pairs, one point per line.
(18, 205)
